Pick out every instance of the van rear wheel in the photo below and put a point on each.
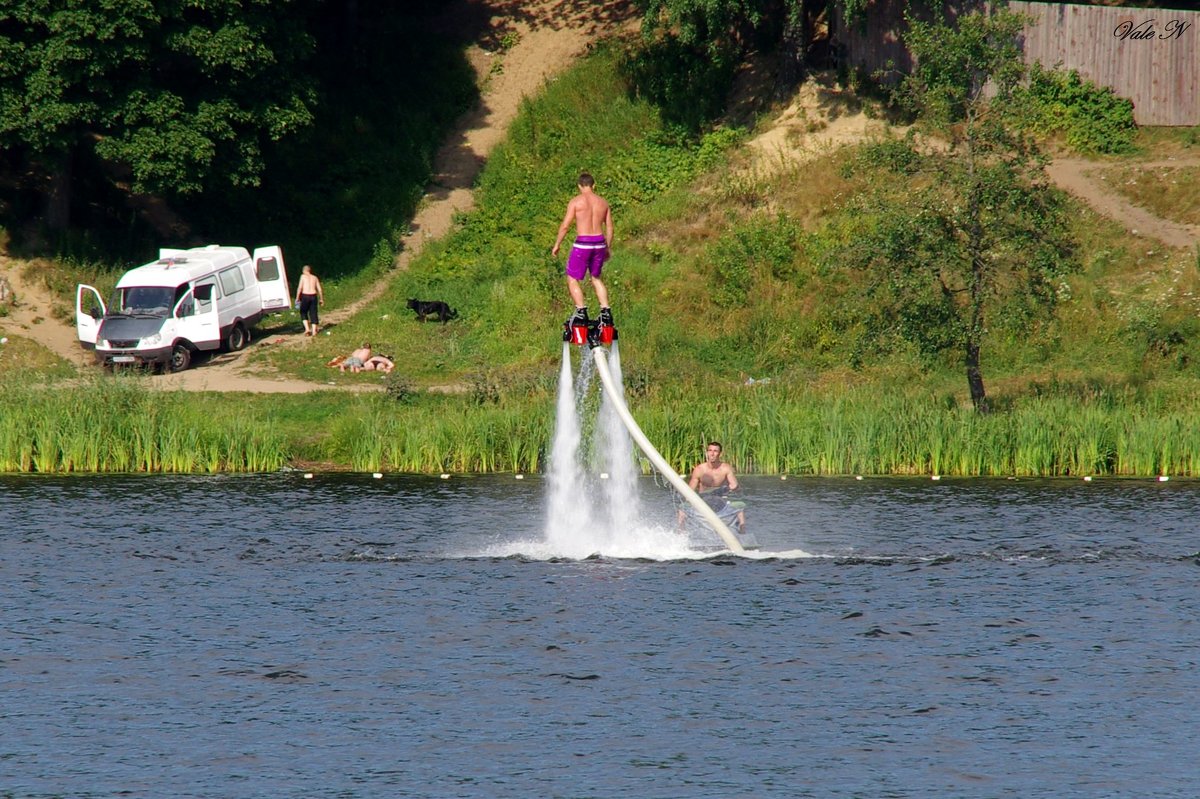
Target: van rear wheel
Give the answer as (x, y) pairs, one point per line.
(238, 338)
(181, 358)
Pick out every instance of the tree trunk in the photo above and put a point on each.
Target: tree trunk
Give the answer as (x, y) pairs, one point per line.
(978, 276)
(975, 378)
(57, 207)
(794, 43)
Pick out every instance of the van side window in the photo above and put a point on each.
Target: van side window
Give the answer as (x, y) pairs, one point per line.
(267, 269)
(232, 281)
(204, 297)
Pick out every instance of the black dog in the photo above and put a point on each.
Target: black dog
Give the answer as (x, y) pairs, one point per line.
(437, 309)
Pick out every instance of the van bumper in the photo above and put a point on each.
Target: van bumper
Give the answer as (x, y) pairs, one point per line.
(156, 356)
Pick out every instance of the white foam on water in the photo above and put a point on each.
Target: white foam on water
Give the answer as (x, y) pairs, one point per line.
(591, 517)
(644, 542)
(566, 513)
(622, 502)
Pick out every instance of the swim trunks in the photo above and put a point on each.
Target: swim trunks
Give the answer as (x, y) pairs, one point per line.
(588, 254)
(308, 308)
(352, 362)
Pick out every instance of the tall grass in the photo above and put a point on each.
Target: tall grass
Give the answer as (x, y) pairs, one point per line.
(435, 438)
(118, 425)
(785, 430)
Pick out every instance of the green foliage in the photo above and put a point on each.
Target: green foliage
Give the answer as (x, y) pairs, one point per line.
(689, 83)
(980, 230)
(399, 388)
(765, 246)
(115, 425)
(894, 155)
(1093, 119)
(954, 62)
(180, 98)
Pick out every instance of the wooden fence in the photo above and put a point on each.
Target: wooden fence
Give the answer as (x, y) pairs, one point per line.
(1149, 55)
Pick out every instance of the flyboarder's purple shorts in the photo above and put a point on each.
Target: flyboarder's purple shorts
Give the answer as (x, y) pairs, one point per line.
(588, 254)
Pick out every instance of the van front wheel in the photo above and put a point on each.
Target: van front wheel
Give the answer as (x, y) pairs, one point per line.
(238, 338)
(181, 358)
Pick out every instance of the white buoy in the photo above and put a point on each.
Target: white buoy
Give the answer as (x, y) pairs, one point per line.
(858, 477)
(377, 475)
(1087, 479)
(308, 475)
(445, 476)
(783, 477)
(520, 476)
(936, 477)
(603, 475)
(1162, 478)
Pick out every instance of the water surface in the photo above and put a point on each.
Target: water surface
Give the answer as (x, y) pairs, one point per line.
(273, 636)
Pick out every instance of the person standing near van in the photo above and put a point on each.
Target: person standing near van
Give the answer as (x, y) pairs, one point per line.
(308, 296)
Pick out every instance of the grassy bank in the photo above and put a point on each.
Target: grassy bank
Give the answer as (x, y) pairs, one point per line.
(116, 425)
(720, 273)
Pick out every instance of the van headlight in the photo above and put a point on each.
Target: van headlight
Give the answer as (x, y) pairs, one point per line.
(152, 340)
(103, 344)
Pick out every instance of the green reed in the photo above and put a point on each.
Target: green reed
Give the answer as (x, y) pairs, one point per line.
(120, 424)
(123, 425)
(778, 429)
(446, 435)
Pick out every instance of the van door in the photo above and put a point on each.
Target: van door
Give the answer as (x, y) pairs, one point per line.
(87, 322)
(196, 317)
(272, 279)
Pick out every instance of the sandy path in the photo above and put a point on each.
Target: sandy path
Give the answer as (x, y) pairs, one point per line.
(1078, 177)
(549, 36)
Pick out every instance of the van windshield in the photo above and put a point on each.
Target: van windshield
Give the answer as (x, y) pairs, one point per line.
(142, 300)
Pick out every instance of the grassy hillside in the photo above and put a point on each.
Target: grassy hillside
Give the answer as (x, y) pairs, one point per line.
(722, 272)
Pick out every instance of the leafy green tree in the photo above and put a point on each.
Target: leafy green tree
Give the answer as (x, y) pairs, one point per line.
(171, 96)
(974, 225)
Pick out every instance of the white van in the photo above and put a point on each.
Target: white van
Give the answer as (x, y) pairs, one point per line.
(163, 313)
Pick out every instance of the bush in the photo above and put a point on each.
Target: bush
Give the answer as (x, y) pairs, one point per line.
(1092, 118)
(687, 82)
(399, 388)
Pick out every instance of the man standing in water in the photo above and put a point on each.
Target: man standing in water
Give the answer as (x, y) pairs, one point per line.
(712, 480)
(308, 295)
(593, 239)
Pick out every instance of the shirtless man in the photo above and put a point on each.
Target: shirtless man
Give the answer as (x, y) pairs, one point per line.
(711, 475)
(357, 359)
(308, 295)
(593, 239)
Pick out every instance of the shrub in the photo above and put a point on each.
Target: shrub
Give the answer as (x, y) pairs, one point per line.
(1092, 118)
(399, 388)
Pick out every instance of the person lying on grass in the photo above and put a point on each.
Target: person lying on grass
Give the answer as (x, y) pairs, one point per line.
(356, 359)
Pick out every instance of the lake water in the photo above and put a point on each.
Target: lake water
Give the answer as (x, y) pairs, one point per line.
(272, 636)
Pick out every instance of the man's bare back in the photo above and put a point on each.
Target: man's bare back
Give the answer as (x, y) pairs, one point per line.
(590, 211)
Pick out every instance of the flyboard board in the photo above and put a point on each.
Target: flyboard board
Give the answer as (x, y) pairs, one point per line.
(594, 335)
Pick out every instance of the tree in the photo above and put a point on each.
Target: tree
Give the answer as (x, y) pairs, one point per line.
(175, 94)
(975, 224)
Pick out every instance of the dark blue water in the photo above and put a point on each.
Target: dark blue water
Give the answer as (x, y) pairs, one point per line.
(349, 637)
